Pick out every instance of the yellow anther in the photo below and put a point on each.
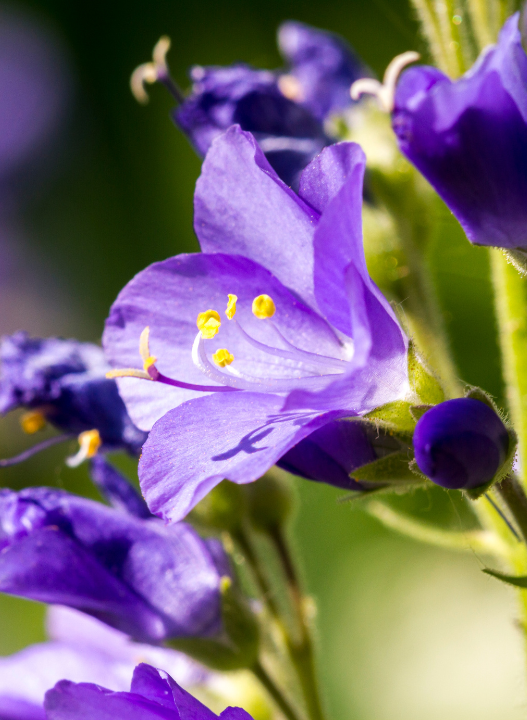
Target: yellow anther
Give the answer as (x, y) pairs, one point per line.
(90, 440)
(291, 88)
(151, 360)
(208, 323)
(223, 357)
(263, 307)
(32, 421)
(144, 344)
(89, 443)
(225, 584)
(231, 306)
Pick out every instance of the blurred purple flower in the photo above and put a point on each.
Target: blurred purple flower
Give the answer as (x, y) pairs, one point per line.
(65, 381)
(153, 695)
(332, 350)
(284, 110)
(81, 649)
(146, 579)
(469, 139)
(460, 443)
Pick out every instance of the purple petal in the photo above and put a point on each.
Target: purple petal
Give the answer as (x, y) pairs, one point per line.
(469, 139)
(232, 713)
(158, 686)
(117, 489)
(326, 174)
(168, 296)
(237, 436)
(13, 708)
(242, 207)
(68, 701)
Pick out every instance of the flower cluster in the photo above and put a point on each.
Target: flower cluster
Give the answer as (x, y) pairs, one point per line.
(272, 346)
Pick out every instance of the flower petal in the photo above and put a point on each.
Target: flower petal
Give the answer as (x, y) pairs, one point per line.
(237, 436)
(168, 296)
(241, 207)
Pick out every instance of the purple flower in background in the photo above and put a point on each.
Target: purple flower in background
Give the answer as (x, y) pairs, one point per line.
(460, 443)
(308, 338)
(64, 382)
(146, 579)
(284, 109)
(322, 68)
(81, 649)
(469, 139)
(153, 695)
(288, 133)
(116, 488)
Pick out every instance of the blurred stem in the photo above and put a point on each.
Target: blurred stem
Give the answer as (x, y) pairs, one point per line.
(451, 36)
(510, 297)
(432, 31)
(482, 22)
(482, 541)
(244, 541)
(301, 649)
(512, 494)
(274, 691)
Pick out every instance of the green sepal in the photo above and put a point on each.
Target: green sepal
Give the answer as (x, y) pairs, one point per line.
(520, 581)
(422, 381)
(223, 508)
(417, 411)
(239, 643)
(270, 500)
(393, 468)
(476, 393)
(394, 417)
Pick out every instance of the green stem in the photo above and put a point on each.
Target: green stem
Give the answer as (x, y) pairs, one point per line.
(301, 649)
(512, 494)
(451, 37)
(484, 26)
(510, 297)
(244, 541)
(483, 541)
(274, 691)
(432, 31)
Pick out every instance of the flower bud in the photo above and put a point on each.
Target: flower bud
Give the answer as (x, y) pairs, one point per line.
(460, 443)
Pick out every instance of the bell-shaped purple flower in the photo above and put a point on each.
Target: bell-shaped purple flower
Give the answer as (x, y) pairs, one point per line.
(469, 139)
(146, 579)
(322, 65)
(460, 443)
(153, 695)
(81, 649)
(65, 381)
(306, 338)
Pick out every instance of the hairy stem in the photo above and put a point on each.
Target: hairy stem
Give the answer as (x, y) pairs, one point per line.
(431, 30)
(274, 691)
(512, 494)
(301, 649)
(510, 297)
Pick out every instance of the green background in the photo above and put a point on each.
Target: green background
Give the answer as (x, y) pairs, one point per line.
(404, 631)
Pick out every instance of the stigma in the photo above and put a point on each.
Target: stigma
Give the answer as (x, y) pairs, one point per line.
(384, 92)
(154, 71)
(89, 444)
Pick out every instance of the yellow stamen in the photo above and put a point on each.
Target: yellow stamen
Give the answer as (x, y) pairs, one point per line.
(208, 323)
(223, 357)
(32, 421)
(128, 372)
(263, 307)
(89, 443)
(149, 72)
(151, 360)
(231, 306)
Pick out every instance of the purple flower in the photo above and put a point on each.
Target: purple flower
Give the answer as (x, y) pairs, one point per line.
(283, 110)
(80, 649)
(460, 443)
(153, 695)
(288, 133)
(116, 488)
(322, 65)
(469, 139)
(139, 576)
(64, 380)
(312, 338)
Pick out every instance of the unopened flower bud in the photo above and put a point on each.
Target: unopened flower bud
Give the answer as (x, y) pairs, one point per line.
(460, 443)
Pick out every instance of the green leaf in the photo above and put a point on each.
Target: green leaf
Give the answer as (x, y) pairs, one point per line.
(393, 468)
(520, 581)
(422, 381)
(394, 416)
(417, 411)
